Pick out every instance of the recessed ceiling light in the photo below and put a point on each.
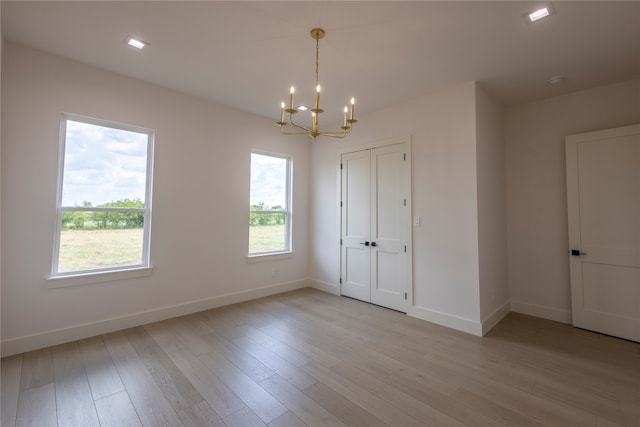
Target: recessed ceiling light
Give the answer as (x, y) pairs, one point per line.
(539, 13)
(556, 80)
(138, 44)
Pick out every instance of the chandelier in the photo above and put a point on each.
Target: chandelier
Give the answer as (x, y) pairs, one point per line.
(292, 128)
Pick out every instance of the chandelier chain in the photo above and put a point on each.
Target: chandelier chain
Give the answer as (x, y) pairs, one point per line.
(317, 59)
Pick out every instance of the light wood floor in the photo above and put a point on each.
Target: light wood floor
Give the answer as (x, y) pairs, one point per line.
(310, 358)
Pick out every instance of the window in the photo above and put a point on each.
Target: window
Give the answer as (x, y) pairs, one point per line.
(270, 200)
(104, 197)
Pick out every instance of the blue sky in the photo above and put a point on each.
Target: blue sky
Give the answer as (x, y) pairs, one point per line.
(103, 164)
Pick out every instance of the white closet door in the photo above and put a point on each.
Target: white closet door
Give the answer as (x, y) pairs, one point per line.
(356, 213)
(375, 260)
(603, 194)
(389, 222)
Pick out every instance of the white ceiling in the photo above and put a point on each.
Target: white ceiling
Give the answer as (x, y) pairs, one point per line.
(247, 54)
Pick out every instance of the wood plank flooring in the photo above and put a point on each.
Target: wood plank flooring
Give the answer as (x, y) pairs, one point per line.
(307, 358)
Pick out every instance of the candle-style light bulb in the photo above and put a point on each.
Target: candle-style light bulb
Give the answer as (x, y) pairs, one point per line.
(353, 103)
(282, 113)
(291, 99)
(344, 123)
(317, 106)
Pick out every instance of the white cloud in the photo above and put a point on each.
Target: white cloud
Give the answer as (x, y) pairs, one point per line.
(103, 164)
(268, 180)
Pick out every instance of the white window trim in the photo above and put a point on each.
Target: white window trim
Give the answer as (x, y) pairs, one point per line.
(269, 256)
(98, 276)
(288, 212)
(73, 278)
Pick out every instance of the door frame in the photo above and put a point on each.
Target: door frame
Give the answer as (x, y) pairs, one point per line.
(405, 139)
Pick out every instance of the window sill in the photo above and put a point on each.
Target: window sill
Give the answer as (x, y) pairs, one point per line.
(269, 257)
(97, 277)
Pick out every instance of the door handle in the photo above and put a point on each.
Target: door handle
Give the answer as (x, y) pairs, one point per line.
(576, 252)
(374, 244)
(367, 244)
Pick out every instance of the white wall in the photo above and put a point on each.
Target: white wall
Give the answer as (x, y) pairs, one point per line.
(536, 189)
(444, 189)
(200, 202)
(492, 221)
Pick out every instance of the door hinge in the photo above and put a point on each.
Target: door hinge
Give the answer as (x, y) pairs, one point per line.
(405, 295)
(405, 248)
(405, 202)
(340, 165)
(341, 280)
(405, 156)
(340, 242)
(340, 203)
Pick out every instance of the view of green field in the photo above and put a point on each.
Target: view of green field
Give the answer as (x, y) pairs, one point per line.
(263, 238)
(94, 249)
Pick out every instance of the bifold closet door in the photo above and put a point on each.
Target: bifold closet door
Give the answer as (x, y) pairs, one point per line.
(375, 225)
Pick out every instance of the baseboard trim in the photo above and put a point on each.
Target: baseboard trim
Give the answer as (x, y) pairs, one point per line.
(324, 286)
(545, 312)
(494, 318)
(59, 336)
(447, 320)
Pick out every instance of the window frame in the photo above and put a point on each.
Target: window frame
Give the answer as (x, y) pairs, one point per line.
(287, 211)
(107, 273)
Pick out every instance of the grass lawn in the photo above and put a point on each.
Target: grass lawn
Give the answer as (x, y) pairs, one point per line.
(263, 238)
(92, 249)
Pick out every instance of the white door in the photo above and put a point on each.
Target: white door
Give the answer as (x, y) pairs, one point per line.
(356, 211)
(603, 194)
(376, 186)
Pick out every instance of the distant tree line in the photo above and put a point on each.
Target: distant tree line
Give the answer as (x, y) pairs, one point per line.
(266, 218)
(105, 220)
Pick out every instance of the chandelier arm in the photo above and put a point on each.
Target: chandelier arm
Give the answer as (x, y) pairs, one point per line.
(292, 133)
(319, 133)
(336, 134)
(327, 134)
(305, 131)
(297, 125)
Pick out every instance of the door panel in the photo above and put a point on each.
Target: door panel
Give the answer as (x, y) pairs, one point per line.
(386, 197)
(356, 277)
(355, 225)
(388, 224)
(603, 194)
(387, 272)
(607, 288)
